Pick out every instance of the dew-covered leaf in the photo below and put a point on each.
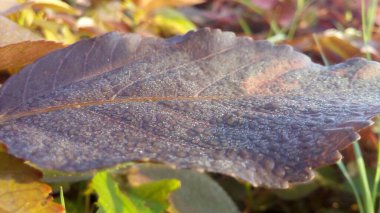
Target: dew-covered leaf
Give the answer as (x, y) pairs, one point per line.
(21, 189)
(210, 100)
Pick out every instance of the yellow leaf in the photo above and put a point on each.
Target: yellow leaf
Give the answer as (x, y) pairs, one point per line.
(21, 189)
(56, 5)
(170, 22)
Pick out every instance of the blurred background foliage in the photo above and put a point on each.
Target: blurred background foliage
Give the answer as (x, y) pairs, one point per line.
(336, 24)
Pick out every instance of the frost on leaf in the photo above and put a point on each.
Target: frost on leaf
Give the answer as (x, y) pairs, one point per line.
(265, 114)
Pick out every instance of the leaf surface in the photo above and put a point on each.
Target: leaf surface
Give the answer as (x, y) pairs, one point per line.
(198, 192)
(21, 189)
(208, 100)
(111, 199)
(146, 198)
(19, 46)
(154, 196)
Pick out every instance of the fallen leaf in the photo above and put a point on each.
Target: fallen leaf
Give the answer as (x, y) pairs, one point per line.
(56, 5)
(19, 46)
(341, 47)
(193, 184)
(6, 5)
(169, 22)
(150, 5)
(11, 33)
(265, 114)
(21, 189)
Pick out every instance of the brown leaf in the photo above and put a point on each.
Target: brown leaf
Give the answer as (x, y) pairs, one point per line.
(208, 100)
(21, 189)
(11, 33)
(8, 6)
(19, 46)
(340, 47)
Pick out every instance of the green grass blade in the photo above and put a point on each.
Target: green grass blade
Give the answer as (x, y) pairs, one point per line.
(325, 61)
(367, 25)
(353, 186)
(294, 24)
(377, 178)
(364, 21)
(244, 26)
(62, 197)
(371, 15)
(368, 203)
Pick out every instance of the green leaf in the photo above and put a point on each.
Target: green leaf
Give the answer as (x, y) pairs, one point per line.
(198, 193)
(146, 198)
(111, 199)
(155, 195)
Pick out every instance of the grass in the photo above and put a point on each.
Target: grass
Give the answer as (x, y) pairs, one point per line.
(365, 198)
(62, 197)
(344, 171)
(364, 183)
(368, 22)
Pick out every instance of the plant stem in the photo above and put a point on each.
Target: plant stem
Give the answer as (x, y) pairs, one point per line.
(293, 26)
(377, 178)
(368, 203)
(354, 188)
(325, 61)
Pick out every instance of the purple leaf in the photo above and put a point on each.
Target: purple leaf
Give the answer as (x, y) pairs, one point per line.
(265, 114)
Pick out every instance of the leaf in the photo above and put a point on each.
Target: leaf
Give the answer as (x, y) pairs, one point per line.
(154, 195)
(265, 114)
(150, 5)
(56, 5)
(334, 43)
(21, 189)
(111, 199)
(19, 46)
(195, 187)
(146, 198)
(11, 33)
(7, 5)
(171, 22)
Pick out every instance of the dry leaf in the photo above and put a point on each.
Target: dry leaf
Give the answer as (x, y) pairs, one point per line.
(21, 189)
(208, 100)
(150, 5)
(19, 46)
